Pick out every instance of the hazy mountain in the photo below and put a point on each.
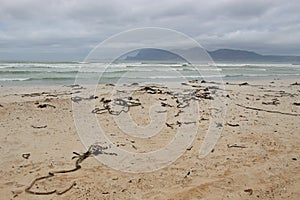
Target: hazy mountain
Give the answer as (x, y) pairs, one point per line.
(230, 55)
(220, 55)
(149, 54)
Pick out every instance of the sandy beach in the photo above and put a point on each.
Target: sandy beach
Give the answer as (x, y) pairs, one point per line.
(256, 156)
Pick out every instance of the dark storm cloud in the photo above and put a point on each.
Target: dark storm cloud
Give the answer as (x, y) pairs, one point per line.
(30, 29)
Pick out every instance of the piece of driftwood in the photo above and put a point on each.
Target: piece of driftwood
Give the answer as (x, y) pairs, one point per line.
(269, 111)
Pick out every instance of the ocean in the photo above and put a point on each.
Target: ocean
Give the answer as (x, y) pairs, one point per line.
(34, 73)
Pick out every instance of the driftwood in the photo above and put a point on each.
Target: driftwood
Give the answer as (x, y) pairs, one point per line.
(94, 149)
(269, 111)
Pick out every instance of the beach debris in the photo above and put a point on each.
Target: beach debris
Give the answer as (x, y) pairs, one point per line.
(121, 91)
(219, 125)
(35, 94)
(97, 149)
(245, 83)
(38, 127)
(152, 90)
(203, 95)
(184, 123)
(109, 104)
(99, 110)
(185, 84)
(109, 84)
(45, 105)
(296, 83)
(235, 146)
(187, 174)
(166, 105)
(250, 191)
(189, 148)
(169, 125)
(294, 159)
(296, 104)
(75, 87)
(163, 99)
(274, 101)
(1, 105)
(270, 111)
(179, 111)
(94, 149)
(234, 125)
(76, 99)
(26, 155)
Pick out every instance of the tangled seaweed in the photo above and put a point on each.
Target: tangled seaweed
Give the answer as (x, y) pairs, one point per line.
(94, 149)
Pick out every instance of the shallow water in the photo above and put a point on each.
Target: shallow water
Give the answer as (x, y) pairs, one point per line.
(89, 73)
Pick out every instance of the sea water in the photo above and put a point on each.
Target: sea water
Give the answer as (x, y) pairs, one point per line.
(32, 73)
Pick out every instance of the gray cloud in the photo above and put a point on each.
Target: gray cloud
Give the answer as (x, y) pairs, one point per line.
(62, 30)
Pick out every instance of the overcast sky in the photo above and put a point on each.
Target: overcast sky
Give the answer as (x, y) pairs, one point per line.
(69, 29)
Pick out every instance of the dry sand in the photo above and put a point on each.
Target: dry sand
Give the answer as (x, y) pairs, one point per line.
(263, 164)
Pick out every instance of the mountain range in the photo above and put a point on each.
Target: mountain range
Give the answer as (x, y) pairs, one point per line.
(220, 55)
